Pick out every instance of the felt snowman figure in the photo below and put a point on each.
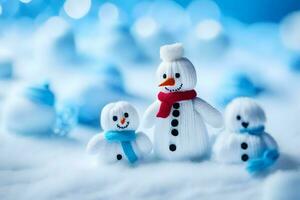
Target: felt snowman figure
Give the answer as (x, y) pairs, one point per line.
(179, 116)
(120, 141)
(244, 139)
(30, 111)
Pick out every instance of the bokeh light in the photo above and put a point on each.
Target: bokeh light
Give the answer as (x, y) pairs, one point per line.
(55, 26)
(208, 29)
(25, 1)
(77, 8)
(145, 26)
(165, 13)
(290, 31)
(108, 13)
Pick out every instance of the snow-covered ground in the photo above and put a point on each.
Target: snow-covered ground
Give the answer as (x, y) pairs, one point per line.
(35, 169)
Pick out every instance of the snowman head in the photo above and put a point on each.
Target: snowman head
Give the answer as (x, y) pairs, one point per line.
(244, 113)
(175, 73)
(119, 116)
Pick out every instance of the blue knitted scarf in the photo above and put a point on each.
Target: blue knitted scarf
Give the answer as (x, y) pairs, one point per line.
(259, 130)
(125, 138)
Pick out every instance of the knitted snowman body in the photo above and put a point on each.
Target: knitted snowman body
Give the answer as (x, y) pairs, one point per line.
(178, 116)
(244, 139)
(119, 141)
(239, 148)
(30, 111)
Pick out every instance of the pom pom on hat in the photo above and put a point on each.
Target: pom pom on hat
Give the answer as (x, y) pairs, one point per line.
(171, 52)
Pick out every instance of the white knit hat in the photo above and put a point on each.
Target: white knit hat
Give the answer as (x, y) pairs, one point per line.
(173, 60)
(171, 52)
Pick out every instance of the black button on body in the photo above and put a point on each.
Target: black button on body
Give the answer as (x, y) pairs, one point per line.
(174, 122)
(172, 147)
(245, 157)
(244, 145)
(174, 132)
(176, 105)
(119, 157)
(175, 113)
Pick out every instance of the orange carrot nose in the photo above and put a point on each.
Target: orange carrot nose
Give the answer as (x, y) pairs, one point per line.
(123, 120)
(168, 82)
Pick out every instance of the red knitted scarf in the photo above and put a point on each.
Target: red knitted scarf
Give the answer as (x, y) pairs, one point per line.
(168, 99)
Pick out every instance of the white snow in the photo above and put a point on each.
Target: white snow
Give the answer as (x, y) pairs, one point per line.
(64, 171)
(34, 169)
(282, 186)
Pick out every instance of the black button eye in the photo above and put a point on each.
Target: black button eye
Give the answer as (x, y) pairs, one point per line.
(238, 117)
(115, 118)
(177, 75)
(164, 76)
(126, 115)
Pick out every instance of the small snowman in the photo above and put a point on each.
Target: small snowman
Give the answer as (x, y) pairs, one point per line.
(244, 139)
(31, 111)
(120, 141)
(179, 116)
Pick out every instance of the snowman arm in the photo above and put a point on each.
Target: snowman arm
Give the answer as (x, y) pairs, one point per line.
(143, 143)
(150, 115)
(219, 147)
(95, 144)
(210, 115)
(223, 146)
(270, 142)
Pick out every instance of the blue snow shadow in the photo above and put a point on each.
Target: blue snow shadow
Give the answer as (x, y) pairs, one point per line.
(6, 69)
(295, 64)
(238, 85)
(110, 87)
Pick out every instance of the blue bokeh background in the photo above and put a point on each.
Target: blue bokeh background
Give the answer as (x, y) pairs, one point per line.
(247, 11)
(90, 51)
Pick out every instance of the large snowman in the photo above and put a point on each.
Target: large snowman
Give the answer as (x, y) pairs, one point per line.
(244, 139)
(120, 141)
(179, 116)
